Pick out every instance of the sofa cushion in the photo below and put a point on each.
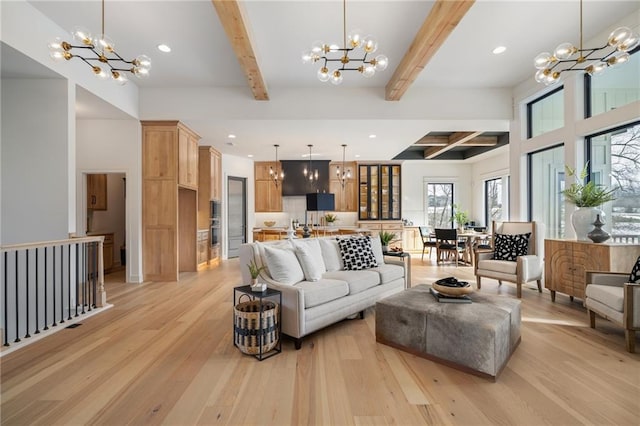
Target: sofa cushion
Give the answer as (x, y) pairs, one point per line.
(356, 253)
(310, 257)
(389, 272)
(331, 254)
(283, 265)
(358, 281)
(498, 266)
(509, 247)
(612, 296)
(323, 291)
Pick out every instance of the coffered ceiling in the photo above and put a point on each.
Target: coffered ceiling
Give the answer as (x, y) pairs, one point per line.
(253, 47)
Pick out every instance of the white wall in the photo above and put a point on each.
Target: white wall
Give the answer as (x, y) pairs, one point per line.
(35, 160)
(416, 173)
(238, 167)
(115, 146)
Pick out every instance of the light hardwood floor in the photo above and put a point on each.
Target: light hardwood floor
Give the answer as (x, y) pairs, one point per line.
(164, 355)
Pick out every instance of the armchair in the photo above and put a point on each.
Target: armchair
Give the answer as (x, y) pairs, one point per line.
(610, 295)
(525, 268)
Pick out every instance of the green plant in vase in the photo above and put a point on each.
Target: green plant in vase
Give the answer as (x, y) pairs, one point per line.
(254, 271)
(460, 217)
(587, 197)
(330, 218)
(386, 238)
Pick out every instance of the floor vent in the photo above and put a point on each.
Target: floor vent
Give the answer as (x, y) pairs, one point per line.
(74, 325)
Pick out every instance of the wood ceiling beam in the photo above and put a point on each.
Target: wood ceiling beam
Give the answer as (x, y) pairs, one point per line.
(455, 139)
(443, 18)
(231, 16)
(444, 140)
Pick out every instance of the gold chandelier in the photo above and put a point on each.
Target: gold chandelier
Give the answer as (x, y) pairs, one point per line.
(593, 61)
(345, 174)
(334, 53)
(275, 175)
(308, 173)
(99, 53)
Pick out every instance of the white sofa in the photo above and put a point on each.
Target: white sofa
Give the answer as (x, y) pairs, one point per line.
(316, 289)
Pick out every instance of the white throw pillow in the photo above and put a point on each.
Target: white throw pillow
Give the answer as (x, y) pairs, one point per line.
(309, 255)
(283, 265)
(376, 247)
(331, 254)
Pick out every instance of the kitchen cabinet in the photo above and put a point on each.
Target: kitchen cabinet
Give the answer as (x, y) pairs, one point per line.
(209, 189)
(187, 158)
(377, 226)
(566, 262)
(379, 192)
(346, 197)
(97, 191)
(411, 239)
(169, 200)
(268, 197)
(203, 246)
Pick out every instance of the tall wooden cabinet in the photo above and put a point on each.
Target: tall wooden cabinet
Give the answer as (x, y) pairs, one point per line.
(209, 189)
(169, 199)
(97, 191)
(346, 197)
(268, 198)
(566, 261)
(379, 192)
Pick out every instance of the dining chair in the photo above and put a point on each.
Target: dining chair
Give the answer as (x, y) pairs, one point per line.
(447, 242)
(427, 240)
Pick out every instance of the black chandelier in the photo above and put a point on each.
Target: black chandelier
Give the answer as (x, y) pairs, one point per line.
(99, 53)
(309, 173)
(345, 174)
(275, 175)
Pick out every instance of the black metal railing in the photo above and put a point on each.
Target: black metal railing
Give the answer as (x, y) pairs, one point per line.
(47, 284)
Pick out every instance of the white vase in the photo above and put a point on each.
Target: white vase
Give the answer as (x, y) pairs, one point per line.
(582, 221)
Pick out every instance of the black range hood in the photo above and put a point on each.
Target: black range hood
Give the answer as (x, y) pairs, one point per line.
(294, 182)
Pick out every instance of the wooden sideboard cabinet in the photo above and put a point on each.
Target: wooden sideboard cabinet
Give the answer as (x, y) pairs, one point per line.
(566, 261)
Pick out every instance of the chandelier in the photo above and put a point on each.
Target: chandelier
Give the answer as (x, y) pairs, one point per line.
(308, 174)
(275, 175)
(344, 174)
(334, 53)
(99, 53)
(593, 61)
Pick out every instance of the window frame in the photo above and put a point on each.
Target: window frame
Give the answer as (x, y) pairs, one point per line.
(530, 108)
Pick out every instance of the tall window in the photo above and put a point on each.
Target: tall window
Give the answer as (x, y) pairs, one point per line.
(614, 161)
(614, 88)
(495, 199)
(546, 181)
(545, 113)
(439, 205)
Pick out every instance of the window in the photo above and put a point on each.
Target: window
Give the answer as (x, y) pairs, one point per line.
(496, 193)
(439, 205)
(546, 182)
(546, 113)
(616, 87)
(614, 161)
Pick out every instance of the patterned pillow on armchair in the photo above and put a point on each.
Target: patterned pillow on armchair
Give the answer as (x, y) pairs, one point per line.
(509, 247)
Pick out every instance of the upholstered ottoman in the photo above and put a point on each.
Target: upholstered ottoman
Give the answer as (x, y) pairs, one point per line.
(476, 337)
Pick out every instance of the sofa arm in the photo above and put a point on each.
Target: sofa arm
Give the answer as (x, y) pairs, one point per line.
(616, 279)
(292, 307)
(529, 268)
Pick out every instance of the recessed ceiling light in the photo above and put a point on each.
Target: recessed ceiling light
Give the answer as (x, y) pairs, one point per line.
(231, 136)
(373, 136)
(164, 48)
(250, 155)
(498, 50)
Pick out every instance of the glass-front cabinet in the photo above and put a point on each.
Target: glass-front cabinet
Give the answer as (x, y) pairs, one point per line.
(379, 192)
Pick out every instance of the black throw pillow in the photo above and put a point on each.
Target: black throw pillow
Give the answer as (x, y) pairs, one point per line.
(509, 247)
(635, 273)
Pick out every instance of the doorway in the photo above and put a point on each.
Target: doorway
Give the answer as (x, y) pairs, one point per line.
(236, 215)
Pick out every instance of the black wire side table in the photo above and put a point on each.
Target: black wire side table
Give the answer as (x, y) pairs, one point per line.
(269, 293)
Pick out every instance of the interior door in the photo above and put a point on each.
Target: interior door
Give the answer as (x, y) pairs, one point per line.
(236, 215)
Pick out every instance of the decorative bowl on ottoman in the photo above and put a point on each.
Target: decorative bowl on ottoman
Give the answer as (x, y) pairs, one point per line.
(452, 287)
